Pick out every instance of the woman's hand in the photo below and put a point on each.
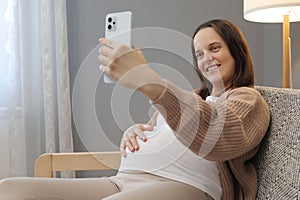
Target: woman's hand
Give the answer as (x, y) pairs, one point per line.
(129, 139)
(129, 67)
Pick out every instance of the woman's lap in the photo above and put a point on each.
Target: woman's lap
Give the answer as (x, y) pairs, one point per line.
(160, 190)
(51, 188)
(147, 186)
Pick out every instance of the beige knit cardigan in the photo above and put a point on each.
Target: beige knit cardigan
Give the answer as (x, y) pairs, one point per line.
(228, 131)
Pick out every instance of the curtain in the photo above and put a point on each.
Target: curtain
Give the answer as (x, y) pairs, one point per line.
(36, 117)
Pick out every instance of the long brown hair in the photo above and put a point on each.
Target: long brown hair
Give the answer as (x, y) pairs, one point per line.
(239, 50)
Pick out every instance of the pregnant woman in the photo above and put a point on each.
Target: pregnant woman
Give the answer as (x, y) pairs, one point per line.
(198, 145)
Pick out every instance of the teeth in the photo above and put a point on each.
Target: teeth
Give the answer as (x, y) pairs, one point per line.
(212, 68)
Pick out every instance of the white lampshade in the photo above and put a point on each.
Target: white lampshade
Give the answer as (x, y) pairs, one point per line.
(271, 11)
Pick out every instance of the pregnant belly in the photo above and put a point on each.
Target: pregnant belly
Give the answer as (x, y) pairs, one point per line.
(160, 150)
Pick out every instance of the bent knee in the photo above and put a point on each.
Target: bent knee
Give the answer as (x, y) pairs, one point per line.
(10, 188)
(6, 188)
(7, 183)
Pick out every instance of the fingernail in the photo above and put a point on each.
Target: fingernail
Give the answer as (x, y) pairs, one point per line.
(101, 39)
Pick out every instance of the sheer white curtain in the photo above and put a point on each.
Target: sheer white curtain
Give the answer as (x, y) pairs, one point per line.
(36, 116)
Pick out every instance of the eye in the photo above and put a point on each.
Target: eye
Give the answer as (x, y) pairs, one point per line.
(199, 55)
(215, 48)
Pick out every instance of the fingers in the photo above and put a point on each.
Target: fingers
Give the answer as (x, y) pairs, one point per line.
(104, 60)
(110, 51)
(123, 149)
(139, 131)
(104, 55)
(129, 139)
(132, 143)
(105, 50)
(104, 68)
(128, 142)
(108, 42)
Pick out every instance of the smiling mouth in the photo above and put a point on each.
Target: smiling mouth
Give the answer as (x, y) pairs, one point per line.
(212, 67)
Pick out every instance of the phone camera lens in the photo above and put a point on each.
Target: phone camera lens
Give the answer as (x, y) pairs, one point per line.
(109, 19)
(109, 27)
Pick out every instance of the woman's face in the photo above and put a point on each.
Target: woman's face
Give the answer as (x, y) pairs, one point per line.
(214, 59)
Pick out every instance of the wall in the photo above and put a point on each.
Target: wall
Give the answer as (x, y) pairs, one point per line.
(272, 67)
(86, 25)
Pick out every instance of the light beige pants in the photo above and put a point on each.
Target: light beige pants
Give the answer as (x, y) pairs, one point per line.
(124, 186)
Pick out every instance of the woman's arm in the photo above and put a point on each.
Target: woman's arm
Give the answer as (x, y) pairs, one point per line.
(231, 127)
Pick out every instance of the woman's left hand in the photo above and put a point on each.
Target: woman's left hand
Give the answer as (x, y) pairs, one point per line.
(129, 67)
(129, 139)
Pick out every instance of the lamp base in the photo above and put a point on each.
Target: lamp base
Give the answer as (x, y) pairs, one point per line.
(286, 64)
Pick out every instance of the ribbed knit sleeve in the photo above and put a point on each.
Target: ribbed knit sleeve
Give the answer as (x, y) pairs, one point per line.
(220, 131)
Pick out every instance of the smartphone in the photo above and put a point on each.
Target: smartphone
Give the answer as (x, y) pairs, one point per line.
(118, 28)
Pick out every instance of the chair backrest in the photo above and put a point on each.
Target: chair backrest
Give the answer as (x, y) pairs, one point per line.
(277, 162)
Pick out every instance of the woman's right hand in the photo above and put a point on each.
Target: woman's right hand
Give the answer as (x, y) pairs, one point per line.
(129, 139)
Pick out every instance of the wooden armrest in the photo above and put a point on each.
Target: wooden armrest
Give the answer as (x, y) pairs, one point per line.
(48, 163)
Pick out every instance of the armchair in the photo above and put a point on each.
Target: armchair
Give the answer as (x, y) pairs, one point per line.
(277, 163)
(48, 163)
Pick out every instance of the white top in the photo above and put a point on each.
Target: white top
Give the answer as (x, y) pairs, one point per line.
(165, 156)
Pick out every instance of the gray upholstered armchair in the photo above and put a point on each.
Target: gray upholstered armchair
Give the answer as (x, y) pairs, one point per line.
(278, 161)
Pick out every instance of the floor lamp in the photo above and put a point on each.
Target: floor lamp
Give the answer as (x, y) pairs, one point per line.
(276, 11)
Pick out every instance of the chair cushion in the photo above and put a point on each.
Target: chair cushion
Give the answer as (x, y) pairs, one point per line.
(277, 162)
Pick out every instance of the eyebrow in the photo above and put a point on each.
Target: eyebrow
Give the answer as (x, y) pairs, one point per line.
(209, 45)
(214, 43)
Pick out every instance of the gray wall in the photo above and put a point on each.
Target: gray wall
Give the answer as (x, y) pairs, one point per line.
(86, 25)
(272, 68)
